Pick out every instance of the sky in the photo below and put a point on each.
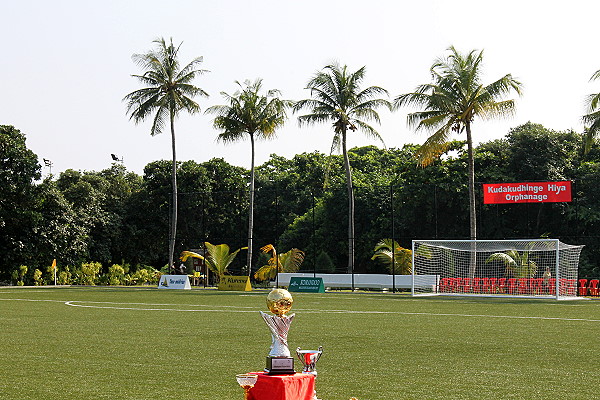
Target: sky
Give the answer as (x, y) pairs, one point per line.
(65, 66)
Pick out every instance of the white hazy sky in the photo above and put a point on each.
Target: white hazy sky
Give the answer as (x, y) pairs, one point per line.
(65, 66)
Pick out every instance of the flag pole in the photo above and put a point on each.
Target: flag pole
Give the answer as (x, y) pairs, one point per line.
(54, 268)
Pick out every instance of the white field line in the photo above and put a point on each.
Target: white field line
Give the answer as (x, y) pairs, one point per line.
(239, 309)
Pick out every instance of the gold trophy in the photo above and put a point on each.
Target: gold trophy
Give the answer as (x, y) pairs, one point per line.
(279, 360)
(246, 381)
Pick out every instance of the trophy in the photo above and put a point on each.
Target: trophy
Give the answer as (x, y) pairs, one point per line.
(246, 381)
(279, 361)
(309, 358)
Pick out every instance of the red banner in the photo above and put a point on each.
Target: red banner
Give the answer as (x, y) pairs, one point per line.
(527, 192)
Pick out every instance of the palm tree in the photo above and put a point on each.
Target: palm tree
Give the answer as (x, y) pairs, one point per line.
(259, 116)
(397, 262)
(452, 102)
(289, 261)
(337, 98)
(519, 265)
(218, 258)
(168, 91)
(593, 116)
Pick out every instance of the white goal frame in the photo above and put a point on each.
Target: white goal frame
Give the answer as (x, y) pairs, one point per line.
(527, 268)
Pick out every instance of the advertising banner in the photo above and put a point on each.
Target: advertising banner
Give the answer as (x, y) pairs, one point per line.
(229, 282)
(527, 192)
(308, 285)
(174, 282)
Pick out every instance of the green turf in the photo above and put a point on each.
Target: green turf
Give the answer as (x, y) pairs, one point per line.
(190, 345)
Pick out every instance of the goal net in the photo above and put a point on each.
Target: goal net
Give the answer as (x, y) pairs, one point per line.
(541, 268)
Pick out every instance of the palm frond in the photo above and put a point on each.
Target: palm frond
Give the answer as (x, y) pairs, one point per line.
(168, 87)
(336, 97)
(368, 130)
(249, 112)
(219, 257)
(506, 259)
(397, 259)
(454, 98)
(187, 254)
(289, 261)
(160, 120)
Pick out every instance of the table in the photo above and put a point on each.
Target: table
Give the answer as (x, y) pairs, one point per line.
(283, 387)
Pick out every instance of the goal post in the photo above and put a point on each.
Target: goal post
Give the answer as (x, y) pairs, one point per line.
(538, 268)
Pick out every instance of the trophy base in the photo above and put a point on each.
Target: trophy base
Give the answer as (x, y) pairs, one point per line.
(280, 366)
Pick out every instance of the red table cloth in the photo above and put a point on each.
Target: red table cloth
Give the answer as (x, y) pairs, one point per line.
(283, 387)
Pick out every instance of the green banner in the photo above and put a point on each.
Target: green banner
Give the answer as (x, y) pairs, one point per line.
(309, 285)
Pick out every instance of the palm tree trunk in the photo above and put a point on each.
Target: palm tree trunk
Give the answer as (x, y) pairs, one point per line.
(251, 211)
(173, 230)
(350, 205)
(472, 213)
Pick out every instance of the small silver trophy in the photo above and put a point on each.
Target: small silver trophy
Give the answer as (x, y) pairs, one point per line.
(309, 359)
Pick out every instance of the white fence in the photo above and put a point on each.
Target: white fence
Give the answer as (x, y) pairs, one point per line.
(363, 281)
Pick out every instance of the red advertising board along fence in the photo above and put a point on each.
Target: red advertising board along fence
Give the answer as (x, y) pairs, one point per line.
(527, 192)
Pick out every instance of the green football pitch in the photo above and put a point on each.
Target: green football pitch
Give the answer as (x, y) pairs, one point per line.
(145, 343)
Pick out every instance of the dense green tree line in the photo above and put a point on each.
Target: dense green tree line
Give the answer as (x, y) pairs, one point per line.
(118, 217)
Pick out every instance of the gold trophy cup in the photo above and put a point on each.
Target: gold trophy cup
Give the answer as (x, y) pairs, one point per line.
(247, 382)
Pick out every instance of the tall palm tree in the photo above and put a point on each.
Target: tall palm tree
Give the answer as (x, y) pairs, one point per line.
(593, 115)
(258, 116)
(452, 102)
(336, 97)
(168, 91)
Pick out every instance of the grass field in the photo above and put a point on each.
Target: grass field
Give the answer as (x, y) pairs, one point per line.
(144, 343)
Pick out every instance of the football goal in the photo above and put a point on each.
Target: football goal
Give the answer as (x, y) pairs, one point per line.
(540, 268)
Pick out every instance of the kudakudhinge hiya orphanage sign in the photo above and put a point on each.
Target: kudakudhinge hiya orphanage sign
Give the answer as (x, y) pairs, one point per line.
(527, 192)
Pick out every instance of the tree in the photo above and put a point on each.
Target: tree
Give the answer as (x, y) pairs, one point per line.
(593, 115)
(218, 258)
(519, 265)
(537, 153)
(397, 262)
(452, 102)
(289, 261)
(62, 232)
(259, 116)
(168, 91)
(19, 169)
(338, 98)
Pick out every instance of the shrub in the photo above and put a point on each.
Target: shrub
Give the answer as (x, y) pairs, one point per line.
(144, 275)
(14, 276)
(37, 277)
(324, 263)
(65, 277)
(116, 275)
(89, 273)
(19, 275)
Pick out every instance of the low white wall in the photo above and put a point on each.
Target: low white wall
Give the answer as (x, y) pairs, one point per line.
(371, 281)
